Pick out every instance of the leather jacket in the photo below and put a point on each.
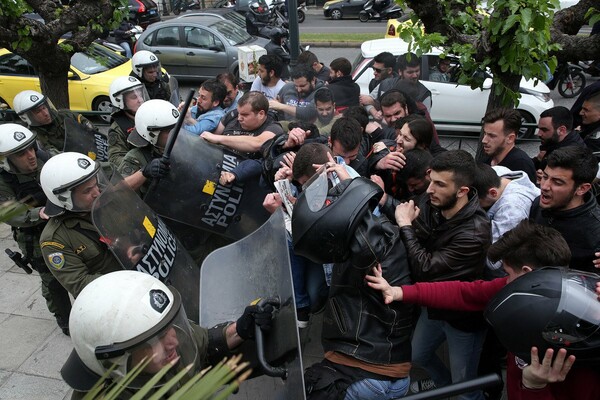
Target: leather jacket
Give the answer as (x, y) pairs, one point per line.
(357, 322)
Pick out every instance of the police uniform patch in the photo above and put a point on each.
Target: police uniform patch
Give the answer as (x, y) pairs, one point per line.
(80, 249)
(53, 244)
(112, 140)
(57, 260)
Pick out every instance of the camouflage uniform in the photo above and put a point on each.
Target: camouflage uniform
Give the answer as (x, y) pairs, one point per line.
(52, 136)
(122, 125)
(27, 228)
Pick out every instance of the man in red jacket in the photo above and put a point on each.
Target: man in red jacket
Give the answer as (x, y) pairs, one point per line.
(523, 249)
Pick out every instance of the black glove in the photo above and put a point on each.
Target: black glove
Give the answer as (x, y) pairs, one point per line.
(254, 315)
(157, 168)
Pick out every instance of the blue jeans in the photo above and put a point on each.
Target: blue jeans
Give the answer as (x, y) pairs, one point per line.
(127, 49)
(372, 389)
(308, 278)
(464, 349)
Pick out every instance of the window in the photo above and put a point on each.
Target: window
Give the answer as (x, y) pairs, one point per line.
(167, 36)
(13, 64)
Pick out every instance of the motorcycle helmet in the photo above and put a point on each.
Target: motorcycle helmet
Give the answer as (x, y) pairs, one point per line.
(549, 308)
(60, 175)
(276, 34)
(259, 8)
(13, 139)
(27, 103)
(151, 118)
(125, 86)
(323, 228)
(119, 319)
(142, 59)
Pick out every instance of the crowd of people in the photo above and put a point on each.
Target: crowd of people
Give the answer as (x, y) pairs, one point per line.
(402, 216)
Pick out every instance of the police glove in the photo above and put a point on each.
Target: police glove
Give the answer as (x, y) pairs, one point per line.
(254, 315)
(157, 168)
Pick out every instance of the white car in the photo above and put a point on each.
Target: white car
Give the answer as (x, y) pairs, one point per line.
(453, 103)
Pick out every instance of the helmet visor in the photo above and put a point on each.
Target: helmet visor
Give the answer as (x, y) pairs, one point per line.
(39, 115)
(174, 344)
(577, 317)
(133, 98)
(316, 188)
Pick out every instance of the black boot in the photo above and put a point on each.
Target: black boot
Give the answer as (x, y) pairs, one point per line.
(63, 324)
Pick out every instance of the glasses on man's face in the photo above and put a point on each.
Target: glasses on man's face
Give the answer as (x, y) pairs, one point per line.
(378, 70)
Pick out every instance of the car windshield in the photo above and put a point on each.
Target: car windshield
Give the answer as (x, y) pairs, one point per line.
(96, 59)
(232, 32)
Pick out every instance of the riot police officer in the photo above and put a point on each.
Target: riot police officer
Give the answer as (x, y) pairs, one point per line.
(146, 67)
(40, 115)
(70, 244)
(123, 317)
(127, 94)
(20, 163)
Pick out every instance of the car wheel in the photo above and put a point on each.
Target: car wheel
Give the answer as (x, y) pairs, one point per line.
(526, 132)
(301, 16)
(102, 103)
(336, 14)
(363, 16)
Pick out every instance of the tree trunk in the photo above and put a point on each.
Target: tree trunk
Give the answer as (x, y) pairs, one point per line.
(54, 82)
(496, 101)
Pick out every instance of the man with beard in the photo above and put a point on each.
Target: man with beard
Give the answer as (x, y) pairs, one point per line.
(590, 122)
(344, 89)
(500, 127)
(268, 81)
(296, 98)
(326, 110)
(555, 130)
(568, 205)
(247, 131)
(446, 237)
(207, 113)
(383, 67)
(233, 93)
(409, 70)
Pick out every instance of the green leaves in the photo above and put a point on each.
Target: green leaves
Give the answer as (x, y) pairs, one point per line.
(213, 383)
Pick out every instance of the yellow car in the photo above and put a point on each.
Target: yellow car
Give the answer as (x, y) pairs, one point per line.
(90, 76)
(393, 25)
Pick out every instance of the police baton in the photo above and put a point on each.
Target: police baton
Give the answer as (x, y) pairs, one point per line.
(173, 136)
(17, 258)
(457, 388)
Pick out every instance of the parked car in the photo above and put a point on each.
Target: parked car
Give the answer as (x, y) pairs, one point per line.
(90, 76)
(453, 102)
(228, 14)
(143, 12)
(338, 9)
(198, 47)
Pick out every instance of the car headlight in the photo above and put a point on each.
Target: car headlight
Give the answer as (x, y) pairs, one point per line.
(326, 6)
(545, 97)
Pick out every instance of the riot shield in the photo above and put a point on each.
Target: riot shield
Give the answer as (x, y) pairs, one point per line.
(141, 241)
(191, 193)
(233, 276)
(82, 139)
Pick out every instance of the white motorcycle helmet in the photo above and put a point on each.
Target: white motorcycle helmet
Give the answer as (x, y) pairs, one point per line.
(27, 101)
(13, 139)
(153, 117)
(142, 59)
(122, 317)
(60, 175)
(125, 86)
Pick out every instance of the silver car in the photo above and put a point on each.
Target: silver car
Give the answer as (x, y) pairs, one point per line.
(198, 47)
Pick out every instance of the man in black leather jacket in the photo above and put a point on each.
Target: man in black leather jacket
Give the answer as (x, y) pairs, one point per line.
(567, 204)
(446, 237)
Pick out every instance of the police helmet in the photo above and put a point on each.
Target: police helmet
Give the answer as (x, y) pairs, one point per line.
(13, 139)
(549, 308)
(151, 118)
(27, 101)
(60, 175)
(326, 234)
(123, 86)
(120, 318)
(143, 59)
(276, 34)
(259, 8)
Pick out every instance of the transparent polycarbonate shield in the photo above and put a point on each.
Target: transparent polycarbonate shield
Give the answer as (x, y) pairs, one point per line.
(191, 193)
(315, 189)
(231, 277)
(142, 241)
(82, 139)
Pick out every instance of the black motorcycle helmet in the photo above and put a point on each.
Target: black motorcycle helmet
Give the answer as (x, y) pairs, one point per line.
(277, 34)
(324, 236)
(549, 308)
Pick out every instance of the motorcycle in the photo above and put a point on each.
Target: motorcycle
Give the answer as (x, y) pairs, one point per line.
(389, 10)
(281, 8)
(569, 79)
(179, 6)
